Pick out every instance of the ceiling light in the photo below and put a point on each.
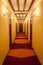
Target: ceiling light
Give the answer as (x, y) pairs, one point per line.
(24, 15)
(21, 15)
(18, 15)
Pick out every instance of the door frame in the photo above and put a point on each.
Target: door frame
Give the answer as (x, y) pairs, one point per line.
(22, 27)
(10, 31)
(31, 30)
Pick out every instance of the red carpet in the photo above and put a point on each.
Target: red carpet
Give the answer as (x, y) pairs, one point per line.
(24, 61)
(20, 46)
(21, 52)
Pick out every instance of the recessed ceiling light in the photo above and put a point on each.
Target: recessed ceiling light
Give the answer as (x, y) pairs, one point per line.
(24, 15)
(18, 15)
(21, 15)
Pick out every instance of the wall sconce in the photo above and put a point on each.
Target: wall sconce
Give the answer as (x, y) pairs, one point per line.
(4, 10)
(36, 12)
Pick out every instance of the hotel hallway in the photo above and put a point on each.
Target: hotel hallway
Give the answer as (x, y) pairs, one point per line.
(21, 32)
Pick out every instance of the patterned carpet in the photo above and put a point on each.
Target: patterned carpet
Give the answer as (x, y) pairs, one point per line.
(21, 52)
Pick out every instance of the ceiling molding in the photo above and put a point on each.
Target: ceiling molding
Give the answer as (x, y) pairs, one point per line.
(24, 4)
(31, 5)
(17, 12)
(18, 4)
(21, 17)
(11, 5)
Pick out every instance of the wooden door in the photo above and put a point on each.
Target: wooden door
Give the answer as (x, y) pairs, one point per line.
(31, 31)
(20, 27)
(10, 32)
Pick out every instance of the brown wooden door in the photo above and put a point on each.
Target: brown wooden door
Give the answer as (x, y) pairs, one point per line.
(10, 32)
(31, 31)
(20, 27)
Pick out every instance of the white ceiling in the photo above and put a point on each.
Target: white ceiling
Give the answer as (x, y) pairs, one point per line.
(14, 3)
(21, 7)
(21, 4)
(28, 4)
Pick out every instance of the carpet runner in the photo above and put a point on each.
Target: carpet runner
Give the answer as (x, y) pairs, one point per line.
(21, 52)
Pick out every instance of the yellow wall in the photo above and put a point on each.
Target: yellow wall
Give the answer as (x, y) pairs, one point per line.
(4, 35)
(4, 31)
(29, 31)
(37, 32)
(13, 30)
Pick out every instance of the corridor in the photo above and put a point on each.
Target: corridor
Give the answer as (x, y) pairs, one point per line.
(21, 32)
(21, 52)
